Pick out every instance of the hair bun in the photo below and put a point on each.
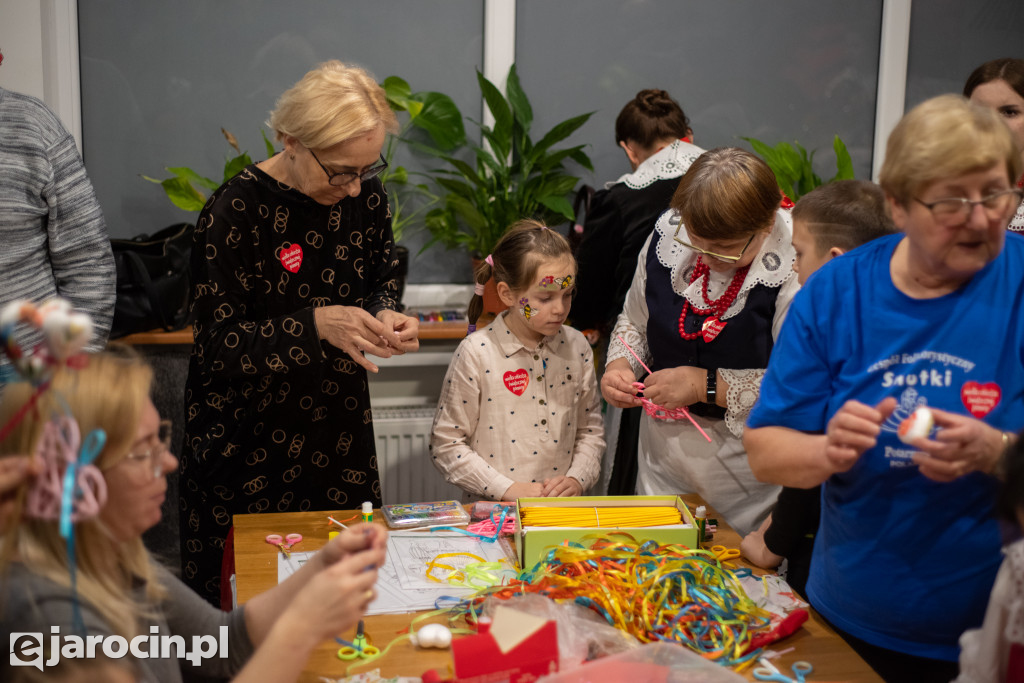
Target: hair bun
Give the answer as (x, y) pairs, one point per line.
(656, 102)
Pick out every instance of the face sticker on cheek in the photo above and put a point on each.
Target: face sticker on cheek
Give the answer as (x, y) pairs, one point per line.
(555, 283)
(525, 309)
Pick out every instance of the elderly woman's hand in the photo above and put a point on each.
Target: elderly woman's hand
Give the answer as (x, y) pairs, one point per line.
(854, 429)
(676, 387)
(355, 332)
(401, 331)
(962, 445)
(617, 384)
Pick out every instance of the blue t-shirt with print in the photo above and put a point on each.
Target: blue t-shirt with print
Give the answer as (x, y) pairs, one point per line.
(901, 561)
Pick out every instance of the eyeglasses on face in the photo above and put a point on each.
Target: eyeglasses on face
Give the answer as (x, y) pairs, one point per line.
(720, 257)
(958, 209)
(153, 455)
(346, 177)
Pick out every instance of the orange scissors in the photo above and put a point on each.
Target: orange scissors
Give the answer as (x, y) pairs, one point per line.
(723, 554)
(286, 543)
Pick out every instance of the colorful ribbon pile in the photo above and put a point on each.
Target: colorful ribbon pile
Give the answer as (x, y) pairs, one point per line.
(652, 592)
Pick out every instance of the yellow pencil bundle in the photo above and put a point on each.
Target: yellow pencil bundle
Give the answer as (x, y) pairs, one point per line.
(601, 517)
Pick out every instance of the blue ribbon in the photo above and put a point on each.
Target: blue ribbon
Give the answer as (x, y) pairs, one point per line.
(91, 447)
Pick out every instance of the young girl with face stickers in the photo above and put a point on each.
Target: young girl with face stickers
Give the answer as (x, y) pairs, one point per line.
(519, 412)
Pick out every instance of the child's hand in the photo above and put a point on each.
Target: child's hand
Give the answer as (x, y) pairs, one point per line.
(617, 384)
(523, 490)
(562, 486)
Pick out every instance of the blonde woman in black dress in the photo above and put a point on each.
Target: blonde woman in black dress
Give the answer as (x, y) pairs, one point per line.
(294, 281)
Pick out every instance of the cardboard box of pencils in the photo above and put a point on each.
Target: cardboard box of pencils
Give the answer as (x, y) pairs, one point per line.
(533, 542)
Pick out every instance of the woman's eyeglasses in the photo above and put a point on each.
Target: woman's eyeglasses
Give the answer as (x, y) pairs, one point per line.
(152, 456)
(346, 177)
(958, 209)
(720, 257)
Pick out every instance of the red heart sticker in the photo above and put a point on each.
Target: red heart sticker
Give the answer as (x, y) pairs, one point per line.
(711, 327)
(980, 399)
(516, 381)
(291, 258)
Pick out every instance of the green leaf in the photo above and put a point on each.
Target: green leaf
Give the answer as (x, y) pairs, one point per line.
(234, 166)
(582, 159)
(559, 205)
(521, 108)
(182, 194)
(467, 171)
(844, 164)
(499, 108)
(560, 132)
(193, 177)
(397, 175)
(397, 91)
(439, 116)
(268, 144)
(467, 212)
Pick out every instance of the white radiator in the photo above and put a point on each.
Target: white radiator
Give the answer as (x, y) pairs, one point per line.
(402, 433)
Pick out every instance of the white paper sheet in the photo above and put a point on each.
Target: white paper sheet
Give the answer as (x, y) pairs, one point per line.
(402, 585)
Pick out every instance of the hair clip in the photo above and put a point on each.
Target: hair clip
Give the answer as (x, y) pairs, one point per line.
(490, 260)
(478, 289)
(70, 487)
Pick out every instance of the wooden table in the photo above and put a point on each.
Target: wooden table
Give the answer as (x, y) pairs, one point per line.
(256, 571)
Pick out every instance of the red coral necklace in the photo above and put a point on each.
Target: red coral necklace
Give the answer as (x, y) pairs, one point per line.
(716, 309)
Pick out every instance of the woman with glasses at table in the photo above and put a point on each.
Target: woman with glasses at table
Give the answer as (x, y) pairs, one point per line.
(908, 546)
(711, 288)
(293, 282)
(118, 589)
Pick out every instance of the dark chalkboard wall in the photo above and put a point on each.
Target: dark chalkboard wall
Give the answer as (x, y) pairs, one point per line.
(159, 80)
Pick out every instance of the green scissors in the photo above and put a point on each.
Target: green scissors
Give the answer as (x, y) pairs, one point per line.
(359, 647)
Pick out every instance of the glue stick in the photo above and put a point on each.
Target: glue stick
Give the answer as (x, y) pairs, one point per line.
(367, 511)
(701, 517)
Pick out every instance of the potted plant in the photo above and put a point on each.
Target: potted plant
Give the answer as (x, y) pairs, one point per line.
(183, 188)
(436, 115)
(512, 177)
(793, 166)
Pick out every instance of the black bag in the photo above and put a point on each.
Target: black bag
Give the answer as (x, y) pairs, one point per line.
(152, 281)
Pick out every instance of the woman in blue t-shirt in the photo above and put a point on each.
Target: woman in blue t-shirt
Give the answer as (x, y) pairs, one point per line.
(908, 547)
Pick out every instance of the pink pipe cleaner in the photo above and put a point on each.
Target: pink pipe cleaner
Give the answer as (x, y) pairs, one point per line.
(653, 409)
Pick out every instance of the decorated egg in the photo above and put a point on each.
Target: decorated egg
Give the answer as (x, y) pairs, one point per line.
(917, 425)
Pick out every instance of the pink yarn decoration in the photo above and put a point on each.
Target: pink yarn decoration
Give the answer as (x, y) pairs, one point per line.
(58, 449)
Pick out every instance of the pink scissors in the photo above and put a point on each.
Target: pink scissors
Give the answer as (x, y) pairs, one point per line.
(286, 543)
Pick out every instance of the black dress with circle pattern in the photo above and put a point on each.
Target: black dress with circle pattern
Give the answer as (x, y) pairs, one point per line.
(276, 420)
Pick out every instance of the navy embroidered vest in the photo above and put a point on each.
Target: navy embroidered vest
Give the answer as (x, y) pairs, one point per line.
(746, 341)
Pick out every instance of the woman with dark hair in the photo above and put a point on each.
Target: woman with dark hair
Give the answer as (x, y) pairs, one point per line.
(711, 289)
(655, 134)
(999, 85)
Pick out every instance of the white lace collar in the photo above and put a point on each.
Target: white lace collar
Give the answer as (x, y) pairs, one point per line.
(1017, 221)
(772, 267)
(670, 162)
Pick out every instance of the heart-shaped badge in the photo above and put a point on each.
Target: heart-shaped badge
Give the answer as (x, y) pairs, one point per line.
(291, 258)
(516, 381)
(711, 327)
(980, 399)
